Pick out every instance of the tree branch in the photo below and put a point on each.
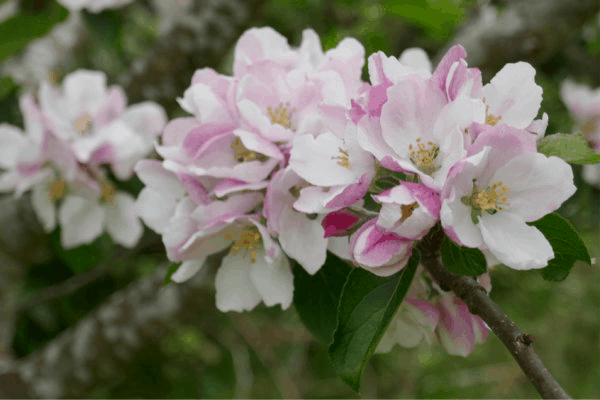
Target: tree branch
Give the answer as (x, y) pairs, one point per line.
(479, 303)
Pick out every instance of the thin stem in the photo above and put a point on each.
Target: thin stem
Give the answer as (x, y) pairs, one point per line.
(479, 303)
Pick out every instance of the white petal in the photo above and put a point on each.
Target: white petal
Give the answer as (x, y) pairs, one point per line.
(340, 246)
(273, 281)
(122, 222)
(538, 185)
(81, 221)
(152, 173)
(147, 119)
(85, 89)
(11, 142)
(155, 209)
(44, 208)
(417, 59)
(235, 290)
(314, 160)
(514, 95)
(302, 239)
(456, 216)
(514, 243)
(187, 269)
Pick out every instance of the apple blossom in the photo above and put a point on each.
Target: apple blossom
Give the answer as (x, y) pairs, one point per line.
(381, 252)
(501, 185)
(96, 122)
(409, 210)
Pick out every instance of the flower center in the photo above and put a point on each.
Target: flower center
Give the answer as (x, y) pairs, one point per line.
(248, 239)
(344, 161)
(491, 119)
(280, 116)
(490, 199)
(424, 156)
(108, 192)
(407, 210)
(56, 189)
(295, 190)
(242, 154)
(83, 124)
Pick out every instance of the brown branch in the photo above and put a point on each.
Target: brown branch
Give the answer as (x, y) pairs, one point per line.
(479, 303)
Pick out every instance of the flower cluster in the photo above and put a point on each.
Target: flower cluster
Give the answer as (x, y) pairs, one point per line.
(294, 155)
(71, 132)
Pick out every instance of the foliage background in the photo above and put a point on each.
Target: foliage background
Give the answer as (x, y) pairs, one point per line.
(267, 353)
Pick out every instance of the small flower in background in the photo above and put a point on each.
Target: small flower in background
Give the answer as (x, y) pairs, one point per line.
(68, 137)
(583, 103)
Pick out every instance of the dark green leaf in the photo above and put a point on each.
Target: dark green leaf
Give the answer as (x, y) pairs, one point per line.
(85, 257)
(18, 31)
(367, 305)
(106, 26)
(7, 86)
(462, 260)
(572, 148)
(316, 297)
(566, 243)
(170, 271)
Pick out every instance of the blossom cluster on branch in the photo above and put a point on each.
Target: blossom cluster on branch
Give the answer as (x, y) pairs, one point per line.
(70, 133)
(294, 156)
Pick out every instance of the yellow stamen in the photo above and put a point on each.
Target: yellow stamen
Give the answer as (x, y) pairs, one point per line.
(108, 192)
(424, 157)
(242, 154)
(491, 198)
(344, 161)
(56, 189)
(53, 76)
(248, 239)
(83, 124)
(491, 119)
(407, 210)
(280, 116)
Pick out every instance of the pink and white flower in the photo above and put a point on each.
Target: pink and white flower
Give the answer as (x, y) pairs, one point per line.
(408, 210)
(379, 251)
(96, 122)
(501, 185)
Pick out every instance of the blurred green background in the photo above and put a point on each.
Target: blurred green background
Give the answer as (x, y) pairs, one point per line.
(194, 363)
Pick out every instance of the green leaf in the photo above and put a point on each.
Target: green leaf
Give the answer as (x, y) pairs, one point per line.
(17, 32)
(316, 297)
(462, 260)
(567, 245)
(84, 257)
(367, 305)
(170, 271)
(106, 26)
(7, 86)
(437, 17)
(572, 148)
